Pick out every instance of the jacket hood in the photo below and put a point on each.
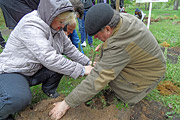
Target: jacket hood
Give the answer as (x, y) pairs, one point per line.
(49, 9)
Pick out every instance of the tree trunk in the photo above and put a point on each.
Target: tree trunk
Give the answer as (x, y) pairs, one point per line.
(148, 6)
(176, 4)
(117, 5)
(138, 4)
(145, 6)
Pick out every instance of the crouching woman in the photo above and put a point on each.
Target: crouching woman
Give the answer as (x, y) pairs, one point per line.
(34, 54)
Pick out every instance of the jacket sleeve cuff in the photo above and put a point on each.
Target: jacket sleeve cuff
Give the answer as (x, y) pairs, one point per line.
(85, 61)
(78, 71)
(83, 71)
(69, 103)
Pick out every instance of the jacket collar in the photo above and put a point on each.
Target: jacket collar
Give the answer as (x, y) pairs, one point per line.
(116, 29)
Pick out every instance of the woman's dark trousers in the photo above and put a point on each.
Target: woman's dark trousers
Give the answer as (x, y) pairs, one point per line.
(15, 94)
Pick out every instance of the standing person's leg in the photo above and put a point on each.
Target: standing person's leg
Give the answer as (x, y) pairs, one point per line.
(13, 14)
(94, 2)
(9, 20)
(15, 94)
(90, 40)
(2, 41)
(79, 24)
(49, 79)
(121, 3)
(83, 33)
(113, 4)
(75, 38)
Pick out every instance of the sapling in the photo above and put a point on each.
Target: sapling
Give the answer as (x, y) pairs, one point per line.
(93, 58)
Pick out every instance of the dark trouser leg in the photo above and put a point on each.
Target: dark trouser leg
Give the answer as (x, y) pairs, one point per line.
(113, 4)
(50, 85)
(9, 20)
(2, 41)
(49, 79)
(13, 16)
(15, 94)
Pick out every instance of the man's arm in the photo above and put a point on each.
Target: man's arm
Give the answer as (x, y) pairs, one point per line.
(111, 64)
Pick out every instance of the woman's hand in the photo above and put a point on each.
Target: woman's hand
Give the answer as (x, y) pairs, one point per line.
(90, 63)
(59, 110)
(88, 69)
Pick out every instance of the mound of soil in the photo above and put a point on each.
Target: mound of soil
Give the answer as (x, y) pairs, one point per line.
(168, 88)
(40, 112)
(174, 50)
(144, 110)
(172, 53)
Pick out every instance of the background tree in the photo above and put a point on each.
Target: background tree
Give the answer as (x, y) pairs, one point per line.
(176, 4)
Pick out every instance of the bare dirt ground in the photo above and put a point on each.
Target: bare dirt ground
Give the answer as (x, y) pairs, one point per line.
(144, 110)
(40, 112)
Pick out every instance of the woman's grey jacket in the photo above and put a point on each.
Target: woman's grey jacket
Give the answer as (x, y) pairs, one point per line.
(33, 44)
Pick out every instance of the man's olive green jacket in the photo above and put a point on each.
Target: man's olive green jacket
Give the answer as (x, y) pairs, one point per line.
(131, 62)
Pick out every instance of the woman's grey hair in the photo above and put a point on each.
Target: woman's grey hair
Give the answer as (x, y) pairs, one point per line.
(115, 19)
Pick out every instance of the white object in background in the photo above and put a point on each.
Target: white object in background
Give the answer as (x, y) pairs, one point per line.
(150, 7)
(149, 17)
(142, 1)
(83, 44)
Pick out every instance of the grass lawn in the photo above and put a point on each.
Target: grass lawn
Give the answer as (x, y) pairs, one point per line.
(166, 30)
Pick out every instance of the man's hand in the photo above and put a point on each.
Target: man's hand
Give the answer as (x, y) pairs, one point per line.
(59, 110)
(98, 47)
(88, 69)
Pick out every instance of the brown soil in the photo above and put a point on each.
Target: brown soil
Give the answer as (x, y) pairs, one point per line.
(159, 19)
(144, 110)
(168, 88)
(172, 53)
(152, 19)
(174, 50)
(40, 112)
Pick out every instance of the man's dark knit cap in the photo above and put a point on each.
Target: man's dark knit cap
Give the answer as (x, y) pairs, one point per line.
(97, 17)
